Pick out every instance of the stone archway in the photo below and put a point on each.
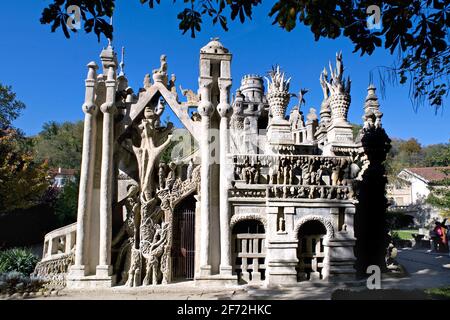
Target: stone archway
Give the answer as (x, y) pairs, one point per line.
(183, 240)
(326, 222)
(313, 233)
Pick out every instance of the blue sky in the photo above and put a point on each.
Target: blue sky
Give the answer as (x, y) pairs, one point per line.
(47, 71)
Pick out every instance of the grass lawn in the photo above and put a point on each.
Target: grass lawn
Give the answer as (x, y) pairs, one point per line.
(439, 293)
(392, 294)
(405, 234)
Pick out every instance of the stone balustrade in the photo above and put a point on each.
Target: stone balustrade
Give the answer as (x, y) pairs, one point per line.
(58, 255)
(59, 242)
(250, 253)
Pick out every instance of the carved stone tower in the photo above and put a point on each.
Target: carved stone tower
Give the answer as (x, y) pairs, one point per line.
(214, 109)
(92, 266)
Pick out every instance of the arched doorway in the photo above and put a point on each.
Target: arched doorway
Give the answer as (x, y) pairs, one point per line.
(183, 245)
(311, 251)
(249, 250)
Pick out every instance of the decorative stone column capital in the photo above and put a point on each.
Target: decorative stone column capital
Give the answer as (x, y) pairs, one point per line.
(108, 107)
(90, 108)
(205, 108)
(224, 109)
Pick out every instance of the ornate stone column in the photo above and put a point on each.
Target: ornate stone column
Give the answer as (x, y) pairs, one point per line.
(104, 268)
(205, 110)
(224, 110)
(90, 110)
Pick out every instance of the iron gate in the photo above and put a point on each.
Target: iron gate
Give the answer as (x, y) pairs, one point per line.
(183, 250)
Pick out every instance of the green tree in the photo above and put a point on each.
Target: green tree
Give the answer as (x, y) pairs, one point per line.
(22, 180)
(437, 155)
(416, 31)
(439, 196)
(410, 146)
(66, 203)
(60, 144)
(10, 107)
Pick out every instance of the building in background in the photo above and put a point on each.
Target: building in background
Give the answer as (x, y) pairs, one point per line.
(408, 194)
(59, 176)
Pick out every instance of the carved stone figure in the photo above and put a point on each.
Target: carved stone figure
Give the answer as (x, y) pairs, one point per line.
(162, 175)
(335, 175)
(192, 98)
(280, 224)
(134, 275)
(153, 254)
(147, 81)
(246, 173)
(256, 172)
(271, 173)
(160, 75)
(128, 236)
(190, 168)
(170, 180)
(172, 86)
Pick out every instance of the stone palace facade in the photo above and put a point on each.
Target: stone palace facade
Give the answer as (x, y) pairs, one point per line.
(253, 195)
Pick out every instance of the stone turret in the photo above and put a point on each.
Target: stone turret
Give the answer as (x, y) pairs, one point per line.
(252, 87)
(372, 114)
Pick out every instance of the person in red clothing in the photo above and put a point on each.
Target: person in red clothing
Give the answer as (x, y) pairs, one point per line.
(441, 235)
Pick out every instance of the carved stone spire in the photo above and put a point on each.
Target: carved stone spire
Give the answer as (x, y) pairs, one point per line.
(339, 88)
(325, 110)
(372, 114)
(278, 94)
(371, 99)
(122, 63)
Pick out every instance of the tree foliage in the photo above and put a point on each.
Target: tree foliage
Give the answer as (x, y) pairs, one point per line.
(439, 196)
(60, 144)
(10, 107)
(409, 153)
(417, 30)
(66, 203)
(22, 179)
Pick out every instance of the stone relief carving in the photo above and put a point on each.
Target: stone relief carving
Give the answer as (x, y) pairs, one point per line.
(298, 170)
(149, 140)
(55, 270)
(160, 75)
(152, 252)
(128, 236)
(192, 98)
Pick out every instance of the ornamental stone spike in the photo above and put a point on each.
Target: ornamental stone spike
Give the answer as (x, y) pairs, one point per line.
(278, 94)
(339, 92)
(122, 62)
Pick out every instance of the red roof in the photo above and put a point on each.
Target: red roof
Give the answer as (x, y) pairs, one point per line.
(431, 174)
